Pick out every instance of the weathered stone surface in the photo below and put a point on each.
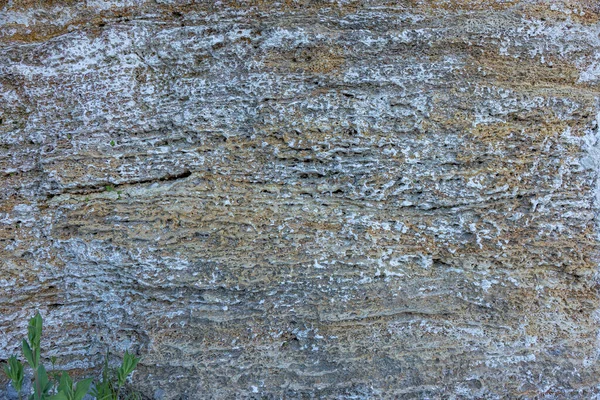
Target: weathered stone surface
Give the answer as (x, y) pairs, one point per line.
(353, 199)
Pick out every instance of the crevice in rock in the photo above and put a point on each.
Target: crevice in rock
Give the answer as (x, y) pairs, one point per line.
(83, 190)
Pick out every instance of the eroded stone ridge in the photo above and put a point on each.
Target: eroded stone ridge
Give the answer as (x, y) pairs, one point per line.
(328, 199)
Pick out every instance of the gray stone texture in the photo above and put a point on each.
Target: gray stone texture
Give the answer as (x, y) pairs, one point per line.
(305, 199)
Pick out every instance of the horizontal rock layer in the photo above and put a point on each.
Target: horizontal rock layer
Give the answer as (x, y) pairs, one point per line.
(353, 199)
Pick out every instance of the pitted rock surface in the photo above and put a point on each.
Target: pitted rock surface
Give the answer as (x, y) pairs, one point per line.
(305, 199)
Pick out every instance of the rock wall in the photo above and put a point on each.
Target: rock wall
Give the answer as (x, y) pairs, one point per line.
(305, 199)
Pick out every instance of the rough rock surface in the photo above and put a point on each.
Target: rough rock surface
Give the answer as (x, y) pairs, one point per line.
(306, 199)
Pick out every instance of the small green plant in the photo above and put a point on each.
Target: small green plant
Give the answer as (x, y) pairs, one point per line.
(107, 388)
(14, 371)
(66, 391)
(32, 351)
(63, 387)
(112, 143)
(110, 188)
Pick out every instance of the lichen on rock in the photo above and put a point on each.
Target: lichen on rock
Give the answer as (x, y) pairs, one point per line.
(305, 199)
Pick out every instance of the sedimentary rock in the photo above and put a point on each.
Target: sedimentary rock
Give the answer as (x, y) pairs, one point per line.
(328, 199)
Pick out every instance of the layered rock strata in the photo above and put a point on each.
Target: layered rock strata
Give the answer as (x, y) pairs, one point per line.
(349, 199)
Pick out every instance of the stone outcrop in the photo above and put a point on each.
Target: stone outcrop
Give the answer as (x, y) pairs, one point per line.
(305, 199)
